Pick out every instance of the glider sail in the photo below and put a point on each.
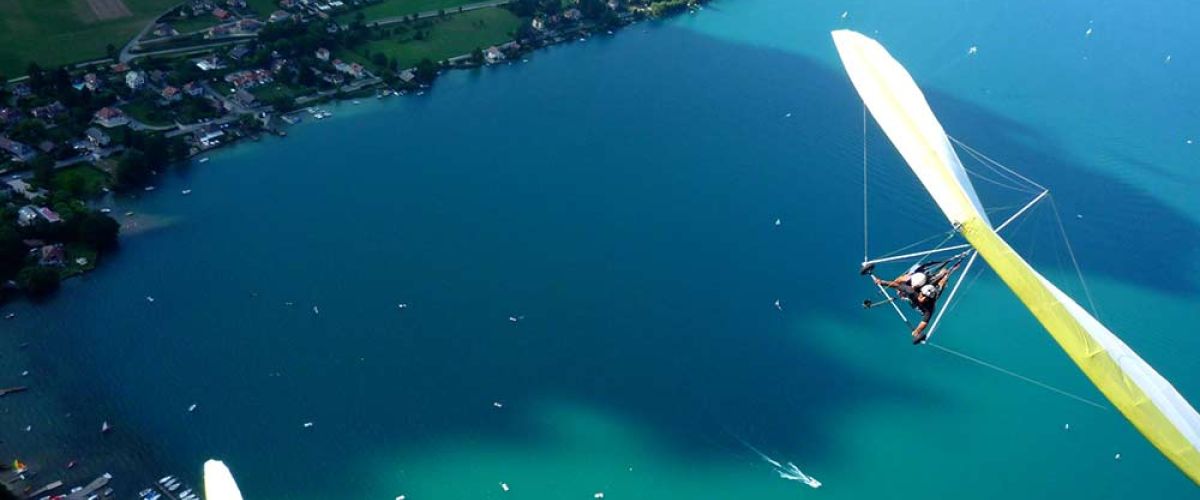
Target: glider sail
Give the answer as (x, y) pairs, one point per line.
(219, 483)
(1146, 399)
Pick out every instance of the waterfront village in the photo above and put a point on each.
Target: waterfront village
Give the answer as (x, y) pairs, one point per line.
(208, 73)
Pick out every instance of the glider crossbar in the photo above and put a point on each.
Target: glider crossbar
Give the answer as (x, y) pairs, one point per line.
(946, 305)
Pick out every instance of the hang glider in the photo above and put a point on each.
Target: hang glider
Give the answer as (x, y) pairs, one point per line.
(219, 483)
(1146, 399)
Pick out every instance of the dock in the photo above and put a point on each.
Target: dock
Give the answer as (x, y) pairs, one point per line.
(96, 484)
(46, 489)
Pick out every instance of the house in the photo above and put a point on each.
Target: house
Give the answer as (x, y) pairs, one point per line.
(493, 54)
(279, 16)
(244, 98)
(51, 255)
(19, 151)
(164, 29)
(26, 216)
(209, 63)
(21, 90)
(407, 76)
(572, 15)
(614, 4)
(353, 69)
(9, 115)
(323, 54)
(23, 188)
(135, 79)
(119, 68)
(238, 52)
(193, 89)
(210, 139)
(220, 13)
(91, 81)
(49, 215)
(287, 4)
(249, 25)
(109, 117)
(47, 146)
(48, 112)
(538, 24)
(96, 137)
(171, 93)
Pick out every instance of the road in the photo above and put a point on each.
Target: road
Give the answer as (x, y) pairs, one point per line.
(434, 13)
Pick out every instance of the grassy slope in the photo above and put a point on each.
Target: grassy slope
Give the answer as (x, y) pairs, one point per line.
(397, 8)
(264, 8)
(54, 32)
(457, 35)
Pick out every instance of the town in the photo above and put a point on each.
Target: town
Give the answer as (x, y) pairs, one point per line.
(207, 73)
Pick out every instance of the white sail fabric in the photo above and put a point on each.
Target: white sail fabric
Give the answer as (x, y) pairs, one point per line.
(902, 112)
(1143, 396)
(219, 483)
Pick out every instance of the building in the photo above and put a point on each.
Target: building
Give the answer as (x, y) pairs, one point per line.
(407, 76)
(48, 112)
(210, 139)
(171, 93)
(238, 52)
(96, 137)
(279, 16)
(91, 81)
(244, 98)
(52, 255)
(26, 216)
(135, 79)
(493, 54)
(209, 63)
(19, 151)
(48, 215)
(323, 54)
(220, 13)
(572, 15)
(23, 188)
(538, 24)
(111, 117)
(193, 89)
(9, 115)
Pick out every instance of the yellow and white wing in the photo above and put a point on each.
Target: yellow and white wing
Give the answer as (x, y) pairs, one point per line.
(1147, 399)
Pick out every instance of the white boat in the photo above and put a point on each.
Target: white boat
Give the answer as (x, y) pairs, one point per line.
(308, 424)
(316, 311)
(186, 192)
(105, 427)
(148, 188)
(202, 160)
(105, 210)
(164, 479)
(149, 299)
(192, 408)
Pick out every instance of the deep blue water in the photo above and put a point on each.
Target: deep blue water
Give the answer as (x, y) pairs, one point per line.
(619, 197)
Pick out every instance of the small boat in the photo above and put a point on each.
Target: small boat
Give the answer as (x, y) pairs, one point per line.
(129, 214)
(504, 486)
(316, 311)
(973, 50)
(148, 188)
(354, 102)
(192, 408)
(165, 480)
(149, 299)
(513, 319)
(105, 210)
(10, 315)
(777, 305)
(203, 160)
(778, 222)
(71, 464)
(497, 404)
(104, 428)
(186, 192)
(308, 424)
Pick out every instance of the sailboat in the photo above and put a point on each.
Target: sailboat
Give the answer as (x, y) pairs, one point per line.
(1141, 394)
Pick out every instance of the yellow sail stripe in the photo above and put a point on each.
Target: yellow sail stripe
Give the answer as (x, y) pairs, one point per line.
(1075, 340)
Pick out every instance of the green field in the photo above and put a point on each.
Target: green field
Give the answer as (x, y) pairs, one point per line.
(456, 35)
(397, 8)
(54, 32)
(81, 181)
(264, 8)
(193, 24)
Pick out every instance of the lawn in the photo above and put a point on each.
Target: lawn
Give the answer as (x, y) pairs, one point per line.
(454, 36)
(146, 110)
(193, 24)
(55, 32)
(82, 181)
(264, 8)
(397, 8)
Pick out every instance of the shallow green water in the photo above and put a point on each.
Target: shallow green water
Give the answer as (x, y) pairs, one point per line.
(619, 196)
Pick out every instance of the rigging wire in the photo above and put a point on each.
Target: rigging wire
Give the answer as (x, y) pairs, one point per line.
(864, 156)
(1018, 376)
(1078, 271)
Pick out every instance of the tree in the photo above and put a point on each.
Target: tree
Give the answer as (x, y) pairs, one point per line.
(38, 281)
(379, 59)
(426, 71)
(132, 169)
(111, 51)
(98, 231)
(37, 77)
(43, 170)
(12, 252)
(477, 55)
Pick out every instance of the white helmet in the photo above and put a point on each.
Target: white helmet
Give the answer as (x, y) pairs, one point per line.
(916, 280)
(929, 291)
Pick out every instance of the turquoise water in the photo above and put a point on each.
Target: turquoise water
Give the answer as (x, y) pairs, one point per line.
(619, 196)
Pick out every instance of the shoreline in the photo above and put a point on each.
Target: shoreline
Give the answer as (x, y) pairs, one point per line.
(124, 453)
